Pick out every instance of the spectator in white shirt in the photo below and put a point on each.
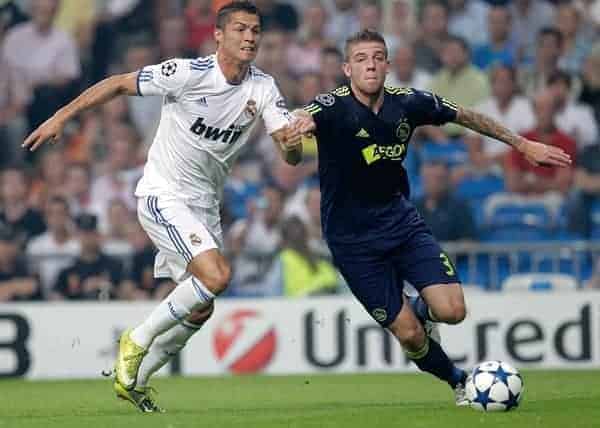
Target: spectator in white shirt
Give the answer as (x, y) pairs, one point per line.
(404, 72)
(311, 41)
(145, 111)
(14, 97)
(529, 17)
(115, 242)
(78, 184)
(254, 242)
(574, 119)
(577, 37)
(121, 175)
(55, 249)
(506, 106)
(370, 16)
(45, 57)
(468, 20)
(342, 21)
(332, 74)
(305, 204)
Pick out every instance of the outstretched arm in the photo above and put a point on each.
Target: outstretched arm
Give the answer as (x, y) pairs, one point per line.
(536, 153)
(101, 92)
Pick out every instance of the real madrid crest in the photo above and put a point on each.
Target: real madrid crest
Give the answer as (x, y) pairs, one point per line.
(195, 239)
(403, 130)
(250, 109)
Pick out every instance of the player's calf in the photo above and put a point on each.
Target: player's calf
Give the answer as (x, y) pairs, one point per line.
(411, 337)
(408, 329)
(427, 354)
(169, 344)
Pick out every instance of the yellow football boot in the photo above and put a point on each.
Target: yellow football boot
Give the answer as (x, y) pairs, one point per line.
(128, 361)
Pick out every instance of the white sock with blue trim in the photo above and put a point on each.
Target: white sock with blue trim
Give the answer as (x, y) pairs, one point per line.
(163, 349)
(189, 294)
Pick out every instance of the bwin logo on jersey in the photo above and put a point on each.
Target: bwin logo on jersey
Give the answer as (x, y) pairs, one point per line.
(229, 135)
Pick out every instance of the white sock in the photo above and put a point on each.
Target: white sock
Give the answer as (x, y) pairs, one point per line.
(164, 348)
(189, 294)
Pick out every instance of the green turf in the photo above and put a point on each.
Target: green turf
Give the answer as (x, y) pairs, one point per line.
(552, 399)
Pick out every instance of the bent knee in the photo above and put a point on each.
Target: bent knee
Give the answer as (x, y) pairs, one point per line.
(453, 313)
(216, 278)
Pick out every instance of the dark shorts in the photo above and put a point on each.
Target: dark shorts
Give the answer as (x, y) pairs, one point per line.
(376, 271)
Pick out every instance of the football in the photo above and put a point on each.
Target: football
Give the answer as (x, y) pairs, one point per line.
(494, 386)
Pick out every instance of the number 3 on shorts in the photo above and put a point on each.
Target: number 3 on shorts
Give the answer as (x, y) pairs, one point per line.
(446, 262)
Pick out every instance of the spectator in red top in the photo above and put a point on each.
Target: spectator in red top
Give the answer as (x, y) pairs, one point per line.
(200, 21)
(524, 178)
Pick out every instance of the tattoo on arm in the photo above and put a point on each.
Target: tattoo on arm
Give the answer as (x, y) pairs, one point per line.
(487, 126)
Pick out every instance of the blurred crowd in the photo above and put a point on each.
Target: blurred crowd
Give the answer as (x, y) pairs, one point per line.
(68, 228)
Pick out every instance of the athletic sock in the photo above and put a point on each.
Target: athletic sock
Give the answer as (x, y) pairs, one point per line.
(431, 358)
(164, 348)
(189, 294)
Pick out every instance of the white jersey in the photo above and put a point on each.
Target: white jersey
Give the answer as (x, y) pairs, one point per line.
(204, 123)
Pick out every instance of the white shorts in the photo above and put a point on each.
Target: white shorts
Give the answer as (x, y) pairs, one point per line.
(180, 232)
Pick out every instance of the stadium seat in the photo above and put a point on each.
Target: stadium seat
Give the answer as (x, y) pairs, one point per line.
(537, 282)
(237, 196)
(476, 189)
(412, 165)
(509, 218)
(453, 153)
(480, 187)
(595, 220)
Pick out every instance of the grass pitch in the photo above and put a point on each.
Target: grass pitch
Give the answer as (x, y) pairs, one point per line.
(552, 399)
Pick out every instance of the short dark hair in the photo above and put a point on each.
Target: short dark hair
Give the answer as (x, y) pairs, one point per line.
(512, 71)
(552, 32)
(87, 222)
(235, 6)
(430, 3)
(332, 50)
(56, 199)
(560, 76)
(366, 35)
(459, 41)
(374, 3)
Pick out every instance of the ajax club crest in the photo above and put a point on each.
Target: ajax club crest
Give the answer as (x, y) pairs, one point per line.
(403, 130)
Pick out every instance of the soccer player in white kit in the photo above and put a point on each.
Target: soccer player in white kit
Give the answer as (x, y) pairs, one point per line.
(210, 106)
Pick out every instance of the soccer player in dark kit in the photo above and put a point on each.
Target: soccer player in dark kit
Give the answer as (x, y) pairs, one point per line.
(377, 238)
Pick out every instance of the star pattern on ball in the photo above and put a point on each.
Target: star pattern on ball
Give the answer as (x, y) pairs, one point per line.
(512, 402)
(483, 397)
(502, 376)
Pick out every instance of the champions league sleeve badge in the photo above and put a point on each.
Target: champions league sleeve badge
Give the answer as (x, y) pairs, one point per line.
(168, 68)
(326, 99)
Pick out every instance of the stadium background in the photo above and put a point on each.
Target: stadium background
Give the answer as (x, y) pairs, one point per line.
(524, 240)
